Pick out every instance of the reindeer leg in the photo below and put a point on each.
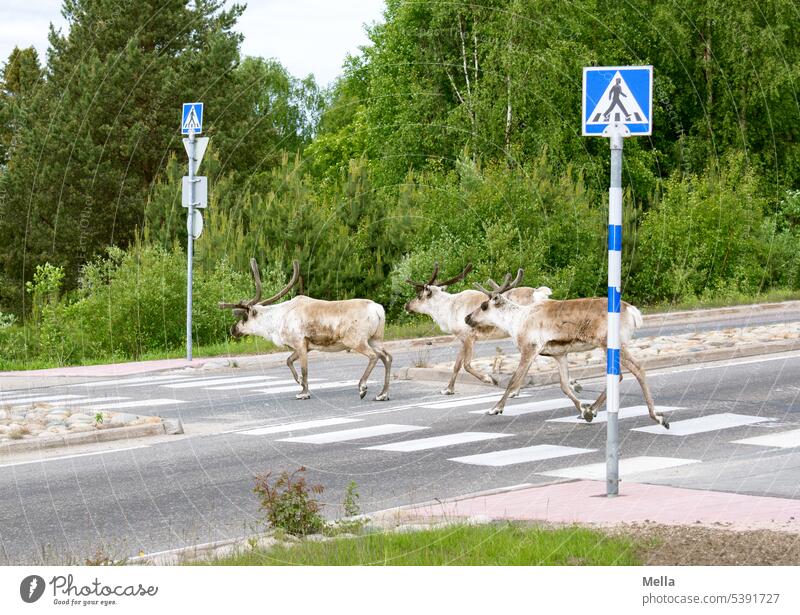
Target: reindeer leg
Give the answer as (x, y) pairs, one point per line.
(566, 385)
(469, 343)
(302, 352)
(386, 359)
(290, 363)
(633, 367)
(526, 358)
(367, 351)
(456, 368)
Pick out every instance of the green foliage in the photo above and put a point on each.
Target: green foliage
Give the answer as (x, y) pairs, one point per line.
(289, 502)
(44, 289)
(502, 544)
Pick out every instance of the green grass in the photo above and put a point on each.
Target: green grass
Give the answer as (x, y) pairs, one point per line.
(508, 544)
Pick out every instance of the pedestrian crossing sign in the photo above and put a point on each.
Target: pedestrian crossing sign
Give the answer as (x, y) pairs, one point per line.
(192, 118)
(617, 95)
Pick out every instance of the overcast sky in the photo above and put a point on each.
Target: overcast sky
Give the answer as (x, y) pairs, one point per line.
(307, 36)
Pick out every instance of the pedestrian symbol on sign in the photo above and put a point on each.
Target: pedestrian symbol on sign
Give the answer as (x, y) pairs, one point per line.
(192, 118)
(617, 95)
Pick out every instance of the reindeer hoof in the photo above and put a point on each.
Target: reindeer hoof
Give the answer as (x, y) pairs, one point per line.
(515, 393)
(303, 396)
(493, 411)
(362, 393)
(663, 421)
(490, 379)
(382, 397)
(447, 392)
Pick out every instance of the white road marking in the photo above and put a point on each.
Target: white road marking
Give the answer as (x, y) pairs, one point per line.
(628, 466)
(262, 431)
(198, 383)
(116, 450)
(166, 380)
(712, 422)
(624, 413)
(126, 381)
(532, 406)
(141, 403)
(254, 385)
(438, 441)
(29, 400)
(90, 400)
(295, 388)
(353, 434)
(785, 439)
(526, 454)
(469, 401)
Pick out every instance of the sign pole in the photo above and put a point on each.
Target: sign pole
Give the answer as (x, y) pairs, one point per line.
(616, 133)
(190, 246)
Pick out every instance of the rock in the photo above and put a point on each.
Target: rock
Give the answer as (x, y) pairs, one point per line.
(80, 418)
(47, 434)
(4, 414)
(123, 419)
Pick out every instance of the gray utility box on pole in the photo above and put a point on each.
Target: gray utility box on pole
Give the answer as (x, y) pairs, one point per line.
(617, 103)
(194, 198)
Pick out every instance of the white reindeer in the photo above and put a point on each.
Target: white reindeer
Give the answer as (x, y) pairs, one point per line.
(449, 311)
(558, 328)
(305, 324)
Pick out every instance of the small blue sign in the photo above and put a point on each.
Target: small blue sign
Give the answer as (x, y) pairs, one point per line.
(192, 118)
(621, 94)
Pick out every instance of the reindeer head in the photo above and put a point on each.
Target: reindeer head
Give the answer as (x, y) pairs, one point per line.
(490, 312)
(428, 293)
(248, 311)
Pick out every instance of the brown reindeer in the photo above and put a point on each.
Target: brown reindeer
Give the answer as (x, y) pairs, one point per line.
(304, 324)
(556, 328)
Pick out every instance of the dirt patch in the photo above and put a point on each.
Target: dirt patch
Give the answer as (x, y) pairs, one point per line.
(664, 545)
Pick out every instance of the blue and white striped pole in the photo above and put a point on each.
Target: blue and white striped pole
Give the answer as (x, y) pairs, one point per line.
(616, 133)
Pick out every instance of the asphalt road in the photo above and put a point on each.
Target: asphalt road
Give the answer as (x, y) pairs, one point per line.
(154, 494)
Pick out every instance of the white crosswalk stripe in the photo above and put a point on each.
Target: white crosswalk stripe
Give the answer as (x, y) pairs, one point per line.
(627, 467)
(624, 413)
(254, 385)
(295, 388)
(140, 403)
(353, 434)
(452, 439)
(127, 381)
(207, 382)
(289, 427)
(468, 401)
(533, 406)
(784, 439)
(703, 424)
(43, 398)
(511, 456)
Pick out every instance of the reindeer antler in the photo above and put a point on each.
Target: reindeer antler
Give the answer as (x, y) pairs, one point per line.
(245, 303)
(457, 278)
(285, 289)
(498, 289)
(429, 282)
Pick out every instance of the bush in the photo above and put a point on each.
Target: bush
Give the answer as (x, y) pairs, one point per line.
(289, 502)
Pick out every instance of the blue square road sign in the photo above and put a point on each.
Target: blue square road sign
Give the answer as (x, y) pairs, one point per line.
(617, 94)
(192, 118)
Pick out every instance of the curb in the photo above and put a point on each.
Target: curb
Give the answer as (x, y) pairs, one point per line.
(166, 427)
(599, 369)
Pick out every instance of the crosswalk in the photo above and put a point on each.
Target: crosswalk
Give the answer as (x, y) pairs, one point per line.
(496, 448)
(496, 445)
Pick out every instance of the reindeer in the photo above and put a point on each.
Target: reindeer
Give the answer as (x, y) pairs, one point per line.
(556, 328)
(449, 311)
(304, 324)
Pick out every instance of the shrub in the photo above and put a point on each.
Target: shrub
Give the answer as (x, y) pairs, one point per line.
(289, 502)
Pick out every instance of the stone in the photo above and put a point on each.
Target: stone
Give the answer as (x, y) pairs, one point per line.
(81, 427)
(80, 418)
(123, 418)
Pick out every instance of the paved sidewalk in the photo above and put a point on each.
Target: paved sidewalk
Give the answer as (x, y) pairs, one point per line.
(584, 502)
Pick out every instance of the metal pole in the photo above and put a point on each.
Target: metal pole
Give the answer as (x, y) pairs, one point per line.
(189, 249)
(614, 302)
